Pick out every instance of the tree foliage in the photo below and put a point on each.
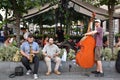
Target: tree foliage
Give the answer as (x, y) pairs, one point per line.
(19, 7)
(111, 8)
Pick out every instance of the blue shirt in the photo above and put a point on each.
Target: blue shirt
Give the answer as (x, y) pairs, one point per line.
(25, 47)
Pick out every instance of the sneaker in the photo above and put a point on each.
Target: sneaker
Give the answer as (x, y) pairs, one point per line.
(28, 72)
(57, 72)
(99, 75)
(95, 72)
(35, 76)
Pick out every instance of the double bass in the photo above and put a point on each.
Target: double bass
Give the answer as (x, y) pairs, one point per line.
(85, 57)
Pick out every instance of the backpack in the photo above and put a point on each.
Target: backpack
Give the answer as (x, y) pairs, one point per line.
(18, 72)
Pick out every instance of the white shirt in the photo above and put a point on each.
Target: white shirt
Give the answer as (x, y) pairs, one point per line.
(2, 33)
(26, 35)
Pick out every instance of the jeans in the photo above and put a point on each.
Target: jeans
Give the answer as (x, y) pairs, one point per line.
(26, 63)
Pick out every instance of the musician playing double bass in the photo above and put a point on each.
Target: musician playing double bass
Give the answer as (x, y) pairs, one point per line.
(98, 36)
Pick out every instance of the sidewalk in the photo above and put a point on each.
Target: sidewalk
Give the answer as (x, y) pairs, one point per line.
(76, 73)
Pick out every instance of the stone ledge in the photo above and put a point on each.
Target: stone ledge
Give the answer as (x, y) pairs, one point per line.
(64, 67)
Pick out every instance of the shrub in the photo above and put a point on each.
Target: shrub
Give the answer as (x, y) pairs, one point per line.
(7, 53)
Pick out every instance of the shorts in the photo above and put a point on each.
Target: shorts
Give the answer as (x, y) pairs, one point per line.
(98, 53)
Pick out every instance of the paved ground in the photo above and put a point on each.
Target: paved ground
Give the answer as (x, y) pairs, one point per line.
(76, 73)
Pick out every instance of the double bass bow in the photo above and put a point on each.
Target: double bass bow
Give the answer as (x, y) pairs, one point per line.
(85, 57)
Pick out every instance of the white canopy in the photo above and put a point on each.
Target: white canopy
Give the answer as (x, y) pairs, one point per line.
(79, 6)
(87, 9)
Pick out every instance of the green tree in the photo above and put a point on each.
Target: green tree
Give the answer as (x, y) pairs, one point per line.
(19, 7)
(111, 8)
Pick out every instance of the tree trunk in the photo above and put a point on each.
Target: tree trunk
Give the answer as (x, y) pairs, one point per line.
(17, 29)
(6, 27)
(111, 28)
(17, 15)
(119, 25)
(41, 27)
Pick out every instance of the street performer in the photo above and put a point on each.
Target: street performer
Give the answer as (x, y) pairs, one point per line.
(27, 47)
(98, 35)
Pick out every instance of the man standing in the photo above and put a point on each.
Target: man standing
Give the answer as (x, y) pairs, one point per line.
(51, 52)
(60, 35)
(98, 34)
(28, 47)
(25, 33)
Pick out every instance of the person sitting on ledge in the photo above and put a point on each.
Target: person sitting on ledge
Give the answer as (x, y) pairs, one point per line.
(29, 47)
(51, 52)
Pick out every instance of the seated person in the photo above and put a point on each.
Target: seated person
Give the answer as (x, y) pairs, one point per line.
(105, 42)
(69, 44)
(51, 52)
(45, 41)
(28, 47)
(13, 40)
(118, 43)
(7, 41)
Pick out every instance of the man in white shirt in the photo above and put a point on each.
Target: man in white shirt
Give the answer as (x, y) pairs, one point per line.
(51, 52)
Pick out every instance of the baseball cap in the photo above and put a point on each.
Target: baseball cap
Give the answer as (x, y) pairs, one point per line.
(30, 35)
(98, 20)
